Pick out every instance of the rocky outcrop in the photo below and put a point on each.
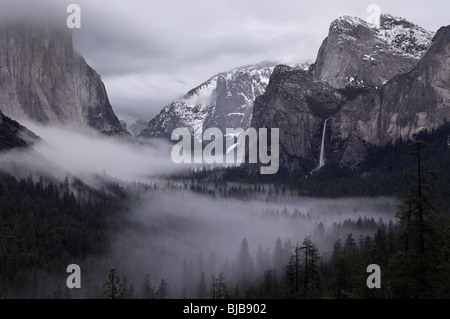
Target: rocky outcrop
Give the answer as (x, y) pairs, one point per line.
(42, 78)
(13, 135)
(409, 103)
(356, 54)
(298, 106)
(420, 99)
(298, 103)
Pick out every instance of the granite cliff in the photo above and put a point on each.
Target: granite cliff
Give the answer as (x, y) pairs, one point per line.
(44, 79)
(377, 107)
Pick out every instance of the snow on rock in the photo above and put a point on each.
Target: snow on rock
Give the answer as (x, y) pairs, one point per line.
(225, 100)
(368, 54)
(404, 37)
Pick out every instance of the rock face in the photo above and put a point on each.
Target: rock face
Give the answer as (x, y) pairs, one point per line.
(407, 104)
(357, 115)
(13, 135)
(224, 101)
(298, 106)
(419, 99)
(355, 54)
(44, 79)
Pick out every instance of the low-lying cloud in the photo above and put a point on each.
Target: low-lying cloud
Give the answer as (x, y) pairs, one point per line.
(64, 151)
(170, 230)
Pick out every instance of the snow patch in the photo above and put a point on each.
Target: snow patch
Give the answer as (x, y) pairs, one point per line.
(404, 37)
(368, 57)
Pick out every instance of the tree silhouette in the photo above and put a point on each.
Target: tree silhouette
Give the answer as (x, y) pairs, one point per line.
(163, 290)
(201, 289)
(114, 288)
(417, 266)
(148, 290)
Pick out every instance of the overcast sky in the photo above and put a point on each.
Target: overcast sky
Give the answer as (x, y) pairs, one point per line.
(151, 52)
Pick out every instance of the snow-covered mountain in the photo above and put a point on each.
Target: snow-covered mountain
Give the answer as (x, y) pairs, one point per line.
(354, 54)
(359, 55)
(400, 87)
(224, 101)
(404, 37)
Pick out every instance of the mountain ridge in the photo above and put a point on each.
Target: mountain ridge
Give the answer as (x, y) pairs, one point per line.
(358, 55)
(405, 105)
(224, 100)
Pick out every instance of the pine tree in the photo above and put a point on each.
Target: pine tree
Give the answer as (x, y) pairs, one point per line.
(278, 257)
(218, 287)
(292, 274)
(114, 288)
(312, 280)
(148, 290)
(201, 289)
(163, 290)
(262, 259)
(345, 269)
(245, 264)
(237, 292)
(353, 269)
(211, 264)
(270, 284)
(302, 277)
(416, 267)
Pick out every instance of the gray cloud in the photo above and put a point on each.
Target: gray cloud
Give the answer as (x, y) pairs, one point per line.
(63, 152)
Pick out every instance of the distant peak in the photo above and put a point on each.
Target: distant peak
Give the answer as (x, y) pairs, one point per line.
(346, 21)
(401, 36)
(250, 67)
(387, 21)
(350, 19)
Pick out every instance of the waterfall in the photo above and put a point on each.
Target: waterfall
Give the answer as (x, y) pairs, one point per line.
(322, 147)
